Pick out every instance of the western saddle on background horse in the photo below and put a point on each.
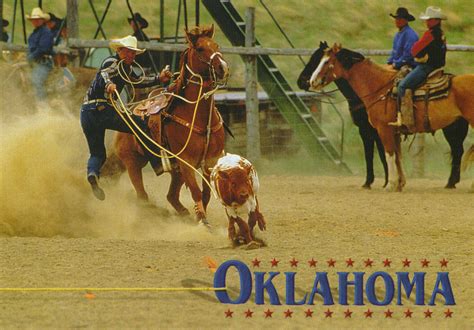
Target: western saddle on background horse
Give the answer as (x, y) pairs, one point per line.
(436, 86)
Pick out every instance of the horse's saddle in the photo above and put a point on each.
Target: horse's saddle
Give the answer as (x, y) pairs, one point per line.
(436, 86)
(155, 102)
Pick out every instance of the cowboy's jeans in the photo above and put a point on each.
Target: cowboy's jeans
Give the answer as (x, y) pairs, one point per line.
(39, 74)
(94, 123)
(414, 79)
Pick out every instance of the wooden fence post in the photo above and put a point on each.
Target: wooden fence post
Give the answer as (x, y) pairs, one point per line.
(419, 156)
(251, 99)
(73, 23)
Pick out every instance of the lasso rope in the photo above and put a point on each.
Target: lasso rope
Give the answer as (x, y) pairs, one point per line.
(136, 127)
(107, 289)
(126, 78)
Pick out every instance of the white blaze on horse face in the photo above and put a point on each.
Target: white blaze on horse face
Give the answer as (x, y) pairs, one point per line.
(314, 82)
(224, 66)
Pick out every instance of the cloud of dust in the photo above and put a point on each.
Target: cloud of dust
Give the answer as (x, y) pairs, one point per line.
(44, 192)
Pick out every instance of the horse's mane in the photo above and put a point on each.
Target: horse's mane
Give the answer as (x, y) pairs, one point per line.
(378, 67)
(348, 58)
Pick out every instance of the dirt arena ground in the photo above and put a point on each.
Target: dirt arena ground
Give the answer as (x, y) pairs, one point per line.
(53, 233)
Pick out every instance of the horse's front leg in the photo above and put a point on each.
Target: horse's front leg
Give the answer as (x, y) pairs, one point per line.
(173, 192)
(206, 191)
(368, 142)
(398, 160)
(189, 178)
(387, 136)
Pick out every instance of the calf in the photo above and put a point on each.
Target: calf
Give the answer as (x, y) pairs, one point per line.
(236, 183)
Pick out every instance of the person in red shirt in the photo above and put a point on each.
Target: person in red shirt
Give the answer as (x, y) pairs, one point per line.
(430, 53)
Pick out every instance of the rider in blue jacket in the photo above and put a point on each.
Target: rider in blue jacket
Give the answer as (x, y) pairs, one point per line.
(40, 50)
(403, 40)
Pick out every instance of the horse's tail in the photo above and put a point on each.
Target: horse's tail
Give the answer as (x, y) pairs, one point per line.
(467, 159)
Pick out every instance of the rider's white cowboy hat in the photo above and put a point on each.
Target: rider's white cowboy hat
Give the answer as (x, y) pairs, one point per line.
(129, 42)
(432, 12)
(37, 13)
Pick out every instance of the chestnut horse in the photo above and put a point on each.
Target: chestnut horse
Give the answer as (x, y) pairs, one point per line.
(455, 133)
(200, 144)
(372, 83)
(367, 133)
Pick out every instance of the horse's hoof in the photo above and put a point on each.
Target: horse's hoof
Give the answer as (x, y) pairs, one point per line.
(253, 245)
(450, 186)
(391, 187)
(204, 222)
(366, 186)
(183, 212)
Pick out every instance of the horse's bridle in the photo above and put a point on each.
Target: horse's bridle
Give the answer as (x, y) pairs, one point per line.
(212, 72)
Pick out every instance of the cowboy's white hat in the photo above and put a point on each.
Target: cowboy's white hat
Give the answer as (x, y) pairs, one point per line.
(37, 13)
(432, 12)
(129, 42)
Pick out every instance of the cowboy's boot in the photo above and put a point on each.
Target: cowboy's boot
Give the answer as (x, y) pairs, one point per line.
(397, 122)
(155, 163)
(93, 180)
(406, 110)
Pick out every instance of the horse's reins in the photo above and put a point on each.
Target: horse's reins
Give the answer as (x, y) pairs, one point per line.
(380, 98)
(134, 128)
(194, 114)
(199, 98)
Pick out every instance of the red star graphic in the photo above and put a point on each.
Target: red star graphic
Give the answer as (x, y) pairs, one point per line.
(388, 313)
(406, 262)
(331, 262)
(309, 313)
(368, 262)
(425, 263)
(228, 313)
(386, 262)
(268, 313)
(408, 313)
(294, 262)
(448, 313)
(444, 263)
(347, 314)
(275, 262)
(248, 313)
(428, 313)
(328, 313)
(256, 262)
(312, 262)
(350, 262)
(368, 313)
(288, 313)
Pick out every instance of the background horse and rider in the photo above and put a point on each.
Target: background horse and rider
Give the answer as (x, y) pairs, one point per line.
(454, 133)
(373, 84)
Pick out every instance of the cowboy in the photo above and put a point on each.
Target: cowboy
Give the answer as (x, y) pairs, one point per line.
(40, 50)
(4, 37)
(430, 54)
(97, 112)
(138, 24)
(54, 24)
(403, 40)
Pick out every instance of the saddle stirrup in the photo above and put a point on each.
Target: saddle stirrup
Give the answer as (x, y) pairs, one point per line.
(398, 122)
